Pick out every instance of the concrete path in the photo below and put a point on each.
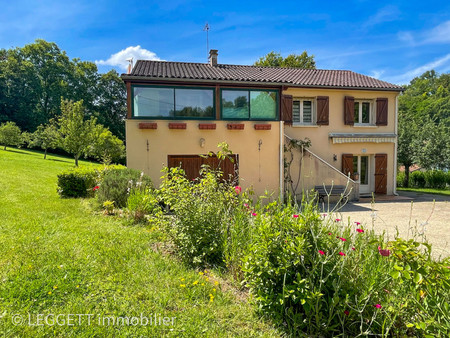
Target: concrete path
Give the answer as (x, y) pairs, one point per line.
(410, 213)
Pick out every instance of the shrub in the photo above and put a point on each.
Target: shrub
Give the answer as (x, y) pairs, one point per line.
(324, 278)
(435, 179)
(417, 179)
(202, 210)
(400, 178)
(77, 182)
(141, 203)
(10, 134)
(116, 184)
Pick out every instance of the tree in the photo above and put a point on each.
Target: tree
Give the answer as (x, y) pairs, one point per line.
(46, 137)
(10, 134)
(407, 143)
(77, 133)
(106, 147)
(274, 59)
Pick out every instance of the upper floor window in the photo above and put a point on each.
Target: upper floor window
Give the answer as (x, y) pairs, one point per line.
(363, 112)
(238, 104)
(173, 102)
(303, 110)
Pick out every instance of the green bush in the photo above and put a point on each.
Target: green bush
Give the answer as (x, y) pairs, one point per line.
(142, 203)
(77, 182)
(117, 183)
(400, 178)
(417, 179)
(325, 278)
(202, 209)
(435, 179)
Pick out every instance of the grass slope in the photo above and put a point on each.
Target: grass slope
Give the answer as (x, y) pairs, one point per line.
(57, 257)
(444, 192)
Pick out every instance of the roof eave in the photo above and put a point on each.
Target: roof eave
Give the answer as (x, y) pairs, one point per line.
(127, 77)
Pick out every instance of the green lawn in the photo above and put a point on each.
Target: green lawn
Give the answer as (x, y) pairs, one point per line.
(444, 192)
(59, 258)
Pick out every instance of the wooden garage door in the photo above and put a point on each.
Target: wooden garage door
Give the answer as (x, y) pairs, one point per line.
(191, 164)
(380, 173)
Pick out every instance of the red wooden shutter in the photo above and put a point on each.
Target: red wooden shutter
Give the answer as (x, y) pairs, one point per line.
(323, 110)
(347, 164)
(286, 109)
(382, 111)
(380, 173)
(349, 110)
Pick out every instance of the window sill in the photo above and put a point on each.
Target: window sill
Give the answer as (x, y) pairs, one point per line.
(296, 125)
(365, 126)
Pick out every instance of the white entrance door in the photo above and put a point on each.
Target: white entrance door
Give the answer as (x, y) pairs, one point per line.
(361, 165)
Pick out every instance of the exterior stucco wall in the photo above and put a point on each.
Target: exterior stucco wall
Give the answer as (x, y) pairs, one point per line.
(322, 145)
(258, 150)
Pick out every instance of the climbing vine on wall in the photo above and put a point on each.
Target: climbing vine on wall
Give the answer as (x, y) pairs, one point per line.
(289, 147)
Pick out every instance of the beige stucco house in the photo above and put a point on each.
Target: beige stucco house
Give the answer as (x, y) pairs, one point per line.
(178, 110)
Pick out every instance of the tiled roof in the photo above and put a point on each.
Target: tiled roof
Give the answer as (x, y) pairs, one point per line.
(236, 73)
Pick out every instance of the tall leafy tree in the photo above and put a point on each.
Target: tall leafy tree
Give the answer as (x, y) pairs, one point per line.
(45, 137)
(274, 59)
(10, 134)
(77, 133)
(106, 147)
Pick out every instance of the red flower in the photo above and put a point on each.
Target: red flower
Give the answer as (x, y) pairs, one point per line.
(341, 253)
(357, 223)
(342, 239)
(384, 252)
(254, 214)
(360, 230)
(246, 205)
(337, 220)
(321, 252)
(378, 306)
(96, 188)
(353, 249)
(329, 234)
(295, 216)
(238, 189)
(346, 312)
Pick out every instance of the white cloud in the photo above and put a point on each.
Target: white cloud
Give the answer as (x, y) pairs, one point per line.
(119, 59)
(407, 37)
(385, 14)
(440, 65)
(377, 73)
(440, 33)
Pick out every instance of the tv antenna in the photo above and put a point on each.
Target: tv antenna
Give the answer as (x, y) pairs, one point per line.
(206, 28)
(130, 65)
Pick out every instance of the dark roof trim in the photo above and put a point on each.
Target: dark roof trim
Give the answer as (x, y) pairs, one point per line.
(133, 78)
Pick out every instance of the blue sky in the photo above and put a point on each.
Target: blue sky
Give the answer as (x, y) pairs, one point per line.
(394, 41)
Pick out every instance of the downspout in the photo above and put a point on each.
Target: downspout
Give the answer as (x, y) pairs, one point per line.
(281, 159)
(396, 144)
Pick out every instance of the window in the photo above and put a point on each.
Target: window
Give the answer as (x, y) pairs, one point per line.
(361, 166)
(173, 102)
(249, 104)
(303, 111)
(363, 111)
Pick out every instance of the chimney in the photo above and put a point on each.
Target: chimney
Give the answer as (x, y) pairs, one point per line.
(213, 57)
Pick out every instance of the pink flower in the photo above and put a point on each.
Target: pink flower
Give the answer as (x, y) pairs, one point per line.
(378, 306)
(341, 253)
(384, 252)
(329, 234)
(295, 216)
(337, 220)
(96, 188)
(346, 312)
(254, 214)
(238, 189)
(246, 205)
(353, 249)
(357, 223)
(360, 230)
(321, 252)
(342, 239)
(324, 215)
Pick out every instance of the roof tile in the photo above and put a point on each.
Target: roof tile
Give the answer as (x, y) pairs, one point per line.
(286, 76)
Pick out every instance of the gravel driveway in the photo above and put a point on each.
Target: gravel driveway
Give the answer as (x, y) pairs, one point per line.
(409, 212)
